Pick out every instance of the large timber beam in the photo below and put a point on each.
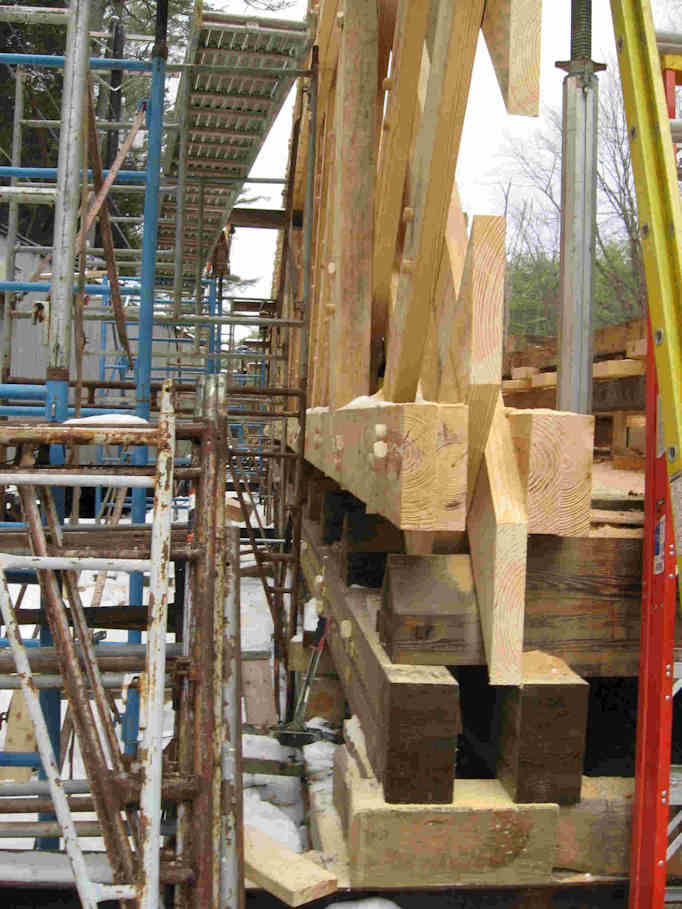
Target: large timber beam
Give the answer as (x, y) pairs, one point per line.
(512, 32)
(409, 715)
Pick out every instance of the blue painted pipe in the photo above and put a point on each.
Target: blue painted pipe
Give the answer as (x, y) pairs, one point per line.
(143, 363)
(20, 759)
(21, 410)
(19, 576)
(23, 392)
(94, 290)
(50, 173)
(140, 66)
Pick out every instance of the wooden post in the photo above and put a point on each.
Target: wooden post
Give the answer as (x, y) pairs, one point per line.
(542, 732)
(356, 94)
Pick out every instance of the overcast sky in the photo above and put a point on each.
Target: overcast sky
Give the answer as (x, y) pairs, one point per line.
(486, 127)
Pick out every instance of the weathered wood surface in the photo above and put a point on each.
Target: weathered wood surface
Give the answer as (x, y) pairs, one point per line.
(356, 94)
(407, 462)
(628, 393)
(542, 728)
(554, 454)
(583, 604)
(258, 693)
(512, 32)
(480, 838)
(289, 876)
(498, 533)
(410, 715)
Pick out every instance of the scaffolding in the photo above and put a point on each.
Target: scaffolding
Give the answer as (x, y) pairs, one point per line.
(182, 384)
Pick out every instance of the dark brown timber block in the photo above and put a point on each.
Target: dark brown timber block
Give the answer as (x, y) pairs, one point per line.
(409, 714)
(583, 604)
(335, 504)
(317, 485)
(542, 726)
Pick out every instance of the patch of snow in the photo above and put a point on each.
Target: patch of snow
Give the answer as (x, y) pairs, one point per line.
(108, 419)
(319, 756)
(272, 820)
(373, 902)
(310, 615)
(376, 400)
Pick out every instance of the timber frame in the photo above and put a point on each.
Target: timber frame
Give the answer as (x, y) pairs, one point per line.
(448, 517)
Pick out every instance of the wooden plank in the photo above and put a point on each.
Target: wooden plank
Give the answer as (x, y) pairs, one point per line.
(472, 370)
(326, 700)
(396, 136)
(480, 839)
(410, 719)
(289, 876)
(258, 693)
(18, 737)
(607, 395)
(498, 531)
(432, 177)
(356, 98)
(542, 728)
(554, 455)
(512, 32)
(606, 369)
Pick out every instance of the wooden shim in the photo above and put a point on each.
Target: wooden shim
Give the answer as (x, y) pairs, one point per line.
(512, 32)
(481, 838)
(410, 719)
(396, 137)
(432, 177)
(472, 367)
(289, 876)
(356, 95)
(542, 727)
(498, 532)
(554, 453)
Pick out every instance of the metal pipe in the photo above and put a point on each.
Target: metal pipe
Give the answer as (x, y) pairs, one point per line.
(50, 478)
(231, 849)
(66, 825)
(13, 222)
(146, 329)
(34, 15)
(51, 173)
(115, 681)
(152, 734)
(578, 219)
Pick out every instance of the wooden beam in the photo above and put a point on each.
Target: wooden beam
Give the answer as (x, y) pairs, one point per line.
(512, 32)
(398, 124)
(607, 394)
(498, 529)
(356, 94)
(407, 462)
(583, 603)
(542, 728)
(270, 218)
(472, 337)
(450, 272)
(481, 838)
(432, 177)
(410, 718)
(554, 452)
(286, 874)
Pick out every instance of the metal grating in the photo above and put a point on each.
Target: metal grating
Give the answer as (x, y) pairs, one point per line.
(224, 118)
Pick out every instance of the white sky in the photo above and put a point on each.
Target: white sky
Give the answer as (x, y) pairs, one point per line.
(486, 127)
